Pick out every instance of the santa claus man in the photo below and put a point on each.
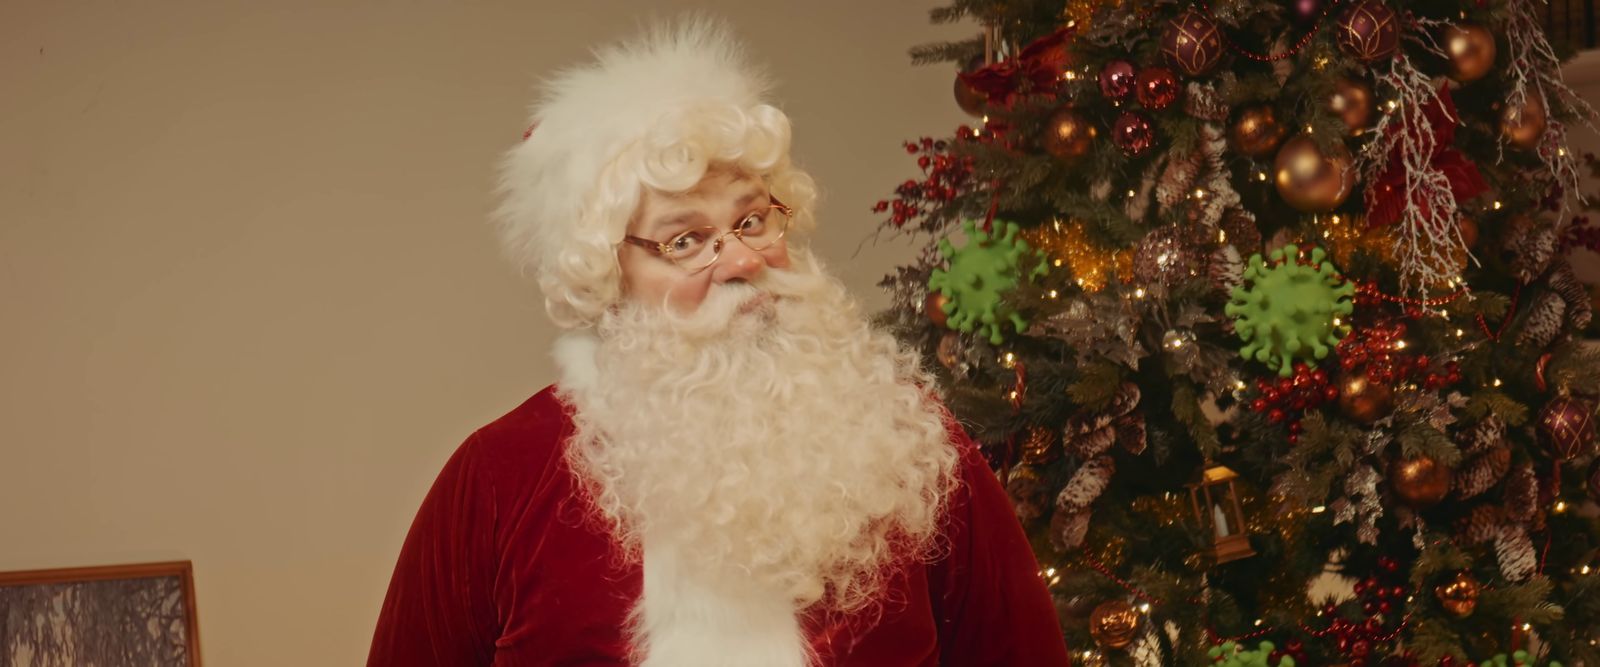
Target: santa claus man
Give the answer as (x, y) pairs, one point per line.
(734, 469)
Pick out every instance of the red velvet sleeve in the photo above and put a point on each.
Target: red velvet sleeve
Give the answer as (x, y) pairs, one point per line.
(440, 607)
(992, 605)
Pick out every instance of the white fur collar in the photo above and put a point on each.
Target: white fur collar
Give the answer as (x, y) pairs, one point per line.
(687, 618)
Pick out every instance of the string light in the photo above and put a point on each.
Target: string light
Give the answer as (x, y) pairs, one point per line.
(1561, 506)
(1497, 205)
(1497, 382)
(1319, 509)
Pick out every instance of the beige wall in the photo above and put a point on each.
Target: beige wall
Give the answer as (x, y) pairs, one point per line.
(248, 299)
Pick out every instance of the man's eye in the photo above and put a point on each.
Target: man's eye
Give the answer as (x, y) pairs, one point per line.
(687, 241)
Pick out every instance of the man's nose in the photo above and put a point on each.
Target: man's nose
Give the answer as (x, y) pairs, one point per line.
(737, 262)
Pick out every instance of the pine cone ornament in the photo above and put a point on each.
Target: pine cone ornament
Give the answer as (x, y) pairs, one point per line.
(1513, 550)
(1521, 496)
(1086, 484)
(1481, 524)
(1531, 244)
(1089, 435)
(1481, 472)
(1545, 319)
(1178, 179)
(1067, 529)
(1580, 309)
(1027, 492)
(1487, 457)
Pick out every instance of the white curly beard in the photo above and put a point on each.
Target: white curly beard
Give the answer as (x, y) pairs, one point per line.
(783, 445)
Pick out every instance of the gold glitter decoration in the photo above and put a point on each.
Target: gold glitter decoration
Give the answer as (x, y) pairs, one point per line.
(1345, 235)
(1081, 12)
(1067, 246)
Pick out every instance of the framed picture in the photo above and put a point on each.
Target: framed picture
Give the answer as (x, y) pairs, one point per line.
(135, 615)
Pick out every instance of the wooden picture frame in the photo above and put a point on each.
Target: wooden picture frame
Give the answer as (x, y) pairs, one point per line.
(104, 615)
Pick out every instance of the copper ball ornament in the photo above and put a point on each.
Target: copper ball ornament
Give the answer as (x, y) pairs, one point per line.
(1039, 447)
(1114, 623)
(1471, 50)
(1156, 87)
(1310, 181)
(1524, 127)
(1469, 231)
(1566, 425)
(949, 351)
(1256, 132)
(1117, 80)
(1362, 400)
(969, 99)
(1420, 482)
(1192, 43)
(1067, 135)
(933, 307)
(1369, 31)
(1133, 133)
(1459, 596)
(1352, 102)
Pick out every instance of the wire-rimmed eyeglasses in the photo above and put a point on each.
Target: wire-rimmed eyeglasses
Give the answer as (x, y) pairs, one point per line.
(697, 249)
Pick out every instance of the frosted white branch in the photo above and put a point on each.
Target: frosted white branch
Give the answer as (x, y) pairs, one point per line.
(1535, 70)
(1428, 244)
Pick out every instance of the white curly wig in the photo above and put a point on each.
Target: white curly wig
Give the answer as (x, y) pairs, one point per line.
(654, 112)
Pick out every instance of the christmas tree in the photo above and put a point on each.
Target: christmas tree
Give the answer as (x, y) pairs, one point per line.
(1247, 299)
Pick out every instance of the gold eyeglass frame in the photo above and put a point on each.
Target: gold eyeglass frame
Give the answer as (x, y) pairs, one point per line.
(659, 248)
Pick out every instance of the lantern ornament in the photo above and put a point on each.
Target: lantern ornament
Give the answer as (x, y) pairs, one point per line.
(1216, 506)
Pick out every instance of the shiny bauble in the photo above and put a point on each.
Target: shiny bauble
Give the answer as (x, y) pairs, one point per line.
(1256, 132)
(1117, 80)
(1369, 31)
(1352, 102)
(1420, 482)
(968, 98)
(1133, 133)
(1113, 624)
(1039, 447)
(1469, 231)
(1470, 48)
(1191, 43)
(1067, 135)
(1566, 426)
(1157, 87)
(1164, 258)
(950, 350)
(1363, 401)
(1524, 127)
(1310, 181)
(933, 307)
(1459, 596)
(1304, 13)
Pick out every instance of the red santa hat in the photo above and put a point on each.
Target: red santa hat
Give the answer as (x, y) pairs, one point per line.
(654, 111)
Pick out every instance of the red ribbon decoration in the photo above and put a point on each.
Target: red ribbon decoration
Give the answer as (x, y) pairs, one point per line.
(1386, 196)
(1038, 65)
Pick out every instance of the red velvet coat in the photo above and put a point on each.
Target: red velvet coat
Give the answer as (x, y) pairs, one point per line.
(502, 567)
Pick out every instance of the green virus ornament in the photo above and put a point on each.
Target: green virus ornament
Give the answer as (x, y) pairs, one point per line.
(980, 274)
(1230, 654)
(1290, 309)
(1515, 659)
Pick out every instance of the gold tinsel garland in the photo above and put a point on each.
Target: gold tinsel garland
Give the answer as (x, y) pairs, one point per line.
(1068, 246)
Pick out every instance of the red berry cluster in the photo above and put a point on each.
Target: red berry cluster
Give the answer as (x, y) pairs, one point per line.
(1580, 234)
(1294, 648)
(1378, 349)
(945, 177)
(1307, 389)
(1382, 599)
